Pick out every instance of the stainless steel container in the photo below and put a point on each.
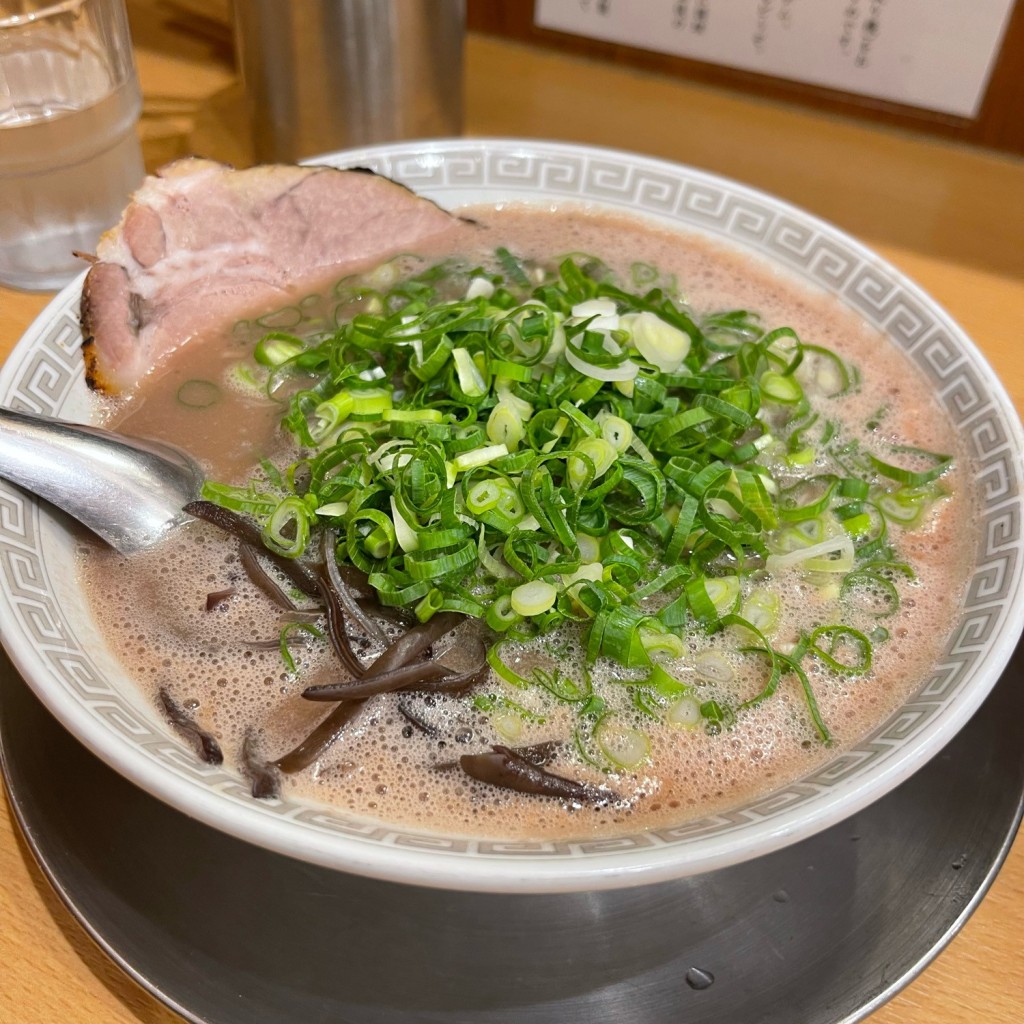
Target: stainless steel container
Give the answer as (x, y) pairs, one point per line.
(322, 75)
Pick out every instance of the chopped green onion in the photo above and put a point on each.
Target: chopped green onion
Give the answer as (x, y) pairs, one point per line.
(277, 348)
(617, 432)
(761, 609)
(538, 447)
(657, 341)
(501, 616)
(842, 648)
(598, 454)
(505, 426)
(684, 713)
(412, 416)
(331, 414)
(624, 746)
(780, 388)
(715, 667)
(710, 598)
(533, 598)
(199, 394)
(287, 531)
(471, 380)
(478, 457)
(370, 403)
(934, 466)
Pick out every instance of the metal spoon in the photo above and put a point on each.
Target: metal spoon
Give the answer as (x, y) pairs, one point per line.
(128, 490)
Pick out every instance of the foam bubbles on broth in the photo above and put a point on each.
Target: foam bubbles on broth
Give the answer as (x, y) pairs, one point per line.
(394, 760)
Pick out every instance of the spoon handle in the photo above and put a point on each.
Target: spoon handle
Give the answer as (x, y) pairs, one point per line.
(130, 491)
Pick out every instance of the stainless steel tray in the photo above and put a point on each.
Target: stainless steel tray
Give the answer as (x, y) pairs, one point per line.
(225, 933)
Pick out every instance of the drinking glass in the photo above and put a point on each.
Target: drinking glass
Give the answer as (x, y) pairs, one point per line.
(69, 152)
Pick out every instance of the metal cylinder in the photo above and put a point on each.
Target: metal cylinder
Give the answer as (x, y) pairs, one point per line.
(322, 75)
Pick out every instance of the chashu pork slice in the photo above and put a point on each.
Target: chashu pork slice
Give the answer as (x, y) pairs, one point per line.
(201, 245)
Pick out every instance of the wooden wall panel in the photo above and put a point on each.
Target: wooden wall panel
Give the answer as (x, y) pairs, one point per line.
(999, 124)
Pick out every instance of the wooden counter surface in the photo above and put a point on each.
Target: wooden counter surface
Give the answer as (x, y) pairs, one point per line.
(950, 217)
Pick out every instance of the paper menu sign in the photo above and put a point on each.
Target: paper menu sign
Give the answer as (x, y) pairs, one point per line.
(932, 54)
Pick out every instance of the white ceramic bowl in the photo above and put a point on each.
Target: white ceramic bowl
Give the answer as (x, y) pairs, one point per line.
(49, 635)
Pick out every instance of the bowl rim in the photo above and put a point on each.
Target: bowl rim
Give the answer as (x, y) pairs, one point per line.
(506, 869)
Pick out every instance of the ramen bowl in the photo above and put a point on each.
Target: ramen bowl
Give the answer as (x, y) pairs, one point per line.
(51, 636)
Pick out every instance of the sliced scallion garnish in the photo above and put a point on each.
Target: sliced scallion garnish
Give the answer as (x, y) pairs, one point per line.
(541, 448)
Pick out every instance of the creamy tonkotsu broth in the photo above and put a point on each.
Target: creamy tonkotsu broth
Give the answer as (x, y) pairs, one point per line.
(397, 761)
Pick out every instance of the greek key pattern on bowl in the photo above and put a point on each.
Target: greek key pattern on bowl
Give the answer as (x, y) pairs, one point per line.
(52, 368)
(45, 374)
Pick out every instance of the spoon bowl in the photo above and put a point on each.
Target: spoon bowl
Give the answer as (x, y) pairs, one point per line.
(130, 491)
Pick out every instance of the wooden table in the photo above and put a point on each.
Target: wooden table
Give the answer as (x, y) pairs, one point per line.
(950, 217)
